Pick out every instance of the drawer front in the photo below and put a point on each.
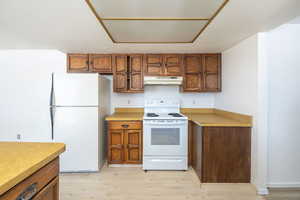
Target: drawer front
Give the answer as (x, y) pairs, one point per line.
(125, 125)
(33, 184)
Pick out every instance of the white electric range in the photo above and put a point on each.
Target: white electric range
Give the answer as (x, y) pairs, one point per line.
(165, 136)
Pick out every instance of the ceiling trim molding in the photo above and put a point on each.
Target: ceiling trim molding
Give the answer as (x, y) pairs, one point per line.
(209, 20)
(161, 19)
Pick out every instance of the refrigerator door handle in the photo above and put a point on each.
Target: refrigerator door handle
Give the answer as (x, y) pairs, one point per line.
(52, 106)
(52, 121)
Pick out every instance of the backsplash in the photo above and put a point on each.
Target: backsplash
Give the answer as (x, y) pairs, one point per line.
(187, 100)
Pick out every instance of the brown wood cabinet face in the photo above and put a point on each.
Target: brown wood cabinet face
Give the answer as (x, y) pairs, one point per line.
(212, 72)
(116, 145)
(120, 73)
(173, 65)
(226, 155)
(136, 73)
(125, 145)
(193, 72)
(154, 65)
(78, 63)
(197, 150)
(133, 146)
(101, 63)
(38, 181)
(50, 192)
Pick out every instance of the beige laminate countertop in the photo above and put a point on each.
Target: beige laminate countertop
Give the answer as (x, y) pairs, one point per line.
(119, 116)
(215, 120)
(202, 117)
(19, 160)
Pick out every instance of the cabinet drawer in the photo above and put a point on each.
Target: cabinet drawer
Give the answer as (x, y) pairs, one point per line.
(125, 125)
(33, 184)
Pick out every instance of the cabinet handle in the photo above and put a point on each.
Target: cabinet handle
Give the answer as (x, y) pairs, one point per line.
(125, 125)
(28, 193)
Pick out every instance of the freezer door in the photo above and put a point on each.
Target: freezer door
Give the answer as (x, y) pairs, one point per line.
(78, 129)
(76, 89)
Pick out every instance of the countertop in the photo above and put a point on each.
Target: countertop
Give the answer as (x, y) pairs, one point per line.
(202, 117)
(118, 116)
(19, 160)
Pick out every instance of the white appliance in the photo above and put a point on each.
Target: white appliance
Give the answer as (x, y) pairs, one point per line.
(163, 80)
(165, 136)
(75, 110)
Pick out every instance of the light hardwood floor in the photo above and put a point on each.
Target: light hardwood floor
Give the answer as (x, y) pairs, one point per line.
(135, 184)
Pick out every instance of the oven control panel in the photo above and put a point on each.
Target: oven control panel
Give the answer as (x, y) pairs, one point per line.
(165, 121)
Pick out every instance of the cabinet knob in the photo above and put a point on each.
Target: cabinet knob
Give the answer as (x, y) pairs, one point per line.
(125, 125)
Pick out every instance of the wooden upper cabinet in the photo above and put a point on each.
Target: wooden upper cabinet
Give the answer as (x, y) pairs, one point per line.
(136, 76)
(78, 63)
(173, 65)
(154, 65)
(212, 72)
(101, 63)
(202, 73)
(120, 73)
(163, 65)
(193, 71)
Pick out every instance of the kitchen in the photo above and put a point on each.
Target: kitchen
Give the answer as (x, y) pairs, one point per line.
(221, 135)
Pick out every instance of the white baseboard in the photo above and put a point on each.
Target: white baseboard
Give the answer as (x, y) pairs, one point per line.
(284, 185)
(262, 191)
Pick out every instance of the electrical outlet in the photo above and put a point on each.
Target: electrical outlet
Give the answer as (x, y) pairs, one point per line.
(194, 101)
(128, 102)
(18, 136)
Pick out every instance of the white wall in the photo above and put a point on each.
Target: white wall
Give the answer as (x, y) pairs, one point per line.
(21, 78)
(284, 106)
(187, 100)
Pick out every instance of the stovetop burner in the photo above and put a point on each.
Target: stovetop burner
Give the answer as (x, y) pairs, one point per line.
(152, 115)
(175, 115)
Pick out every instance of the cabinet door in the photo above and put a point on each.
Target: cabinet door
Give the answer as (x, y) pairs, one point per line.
(78, 63)
(212, 72)
(133, 150)
(173, 65)
(101, 63)
(226, 155)
(50, 192)
(192, 80)
(136, 73)
(116, 146)
(120, 73)
(154, 65)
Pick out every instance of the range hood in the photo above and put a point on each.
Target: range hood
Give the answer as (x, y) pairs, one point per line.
(163, 80)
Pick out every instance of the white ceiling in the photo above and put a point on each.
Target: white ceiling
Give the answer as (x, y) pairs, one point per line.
(70, 26)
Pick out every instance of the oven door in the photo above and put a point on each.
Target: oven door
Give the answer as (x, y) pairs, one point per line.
(165, 139)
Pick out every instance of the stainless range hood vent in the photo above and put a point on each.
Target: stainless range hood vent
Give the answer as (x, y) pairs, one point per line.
(163, 80)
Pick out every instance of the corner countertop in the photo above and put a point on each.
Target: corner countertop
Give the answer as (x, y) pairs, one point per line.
(19, 160)
(203, 117)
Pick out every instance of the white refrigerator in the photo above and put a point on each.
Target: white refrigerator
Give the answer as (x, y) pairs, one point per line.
(77, 111)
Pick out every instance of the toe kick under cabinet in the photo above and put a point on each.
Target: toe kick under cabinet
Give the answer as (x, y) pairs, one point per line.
(124, 142)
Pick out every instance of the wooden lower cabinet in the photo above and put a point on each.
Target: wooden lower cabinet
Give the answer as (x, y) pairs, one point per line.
(125, 142)
(222, 154)
(50, 192)
(42, 185)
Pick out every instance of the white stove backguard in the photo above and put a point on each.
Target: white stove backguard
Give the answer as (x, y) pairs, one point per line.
(162, 105)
